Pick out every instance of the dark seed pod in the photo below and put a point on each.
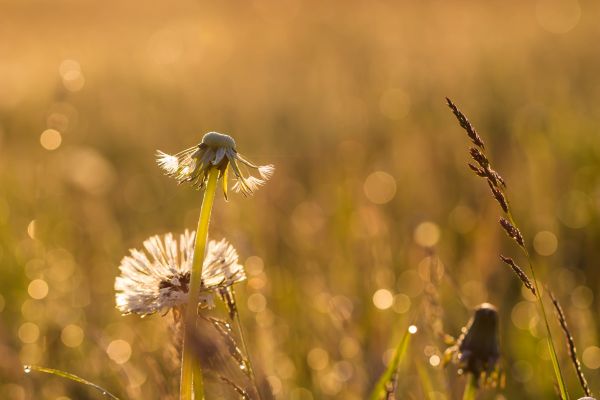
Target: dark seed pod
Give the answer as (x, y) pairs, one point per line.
(478, 348)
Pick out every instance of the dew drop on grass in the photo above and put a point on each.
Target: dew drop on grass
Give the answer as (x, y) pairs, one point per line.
(27, 368)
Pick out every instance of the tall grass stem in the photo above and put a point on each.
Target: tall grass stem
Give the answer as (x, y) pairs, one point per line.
(238, 321)
(191, 386)
(564, 394)
(385, 387)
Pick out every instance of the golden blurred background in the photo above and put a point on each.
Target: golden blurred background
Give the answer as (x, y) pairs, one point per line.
(347, 100)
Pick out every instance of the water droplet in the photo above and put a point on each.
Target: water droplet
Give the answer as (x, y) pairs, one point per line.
(27, 368)
(242, 366)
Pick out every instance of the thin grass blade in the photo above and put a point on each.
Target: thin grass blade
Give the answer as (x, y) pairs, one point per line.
(382, 389)
(68, 375)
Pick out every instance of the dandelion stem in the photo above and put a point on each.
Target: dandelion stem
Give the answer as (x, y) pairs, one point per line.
(471, 388)
(191, 386)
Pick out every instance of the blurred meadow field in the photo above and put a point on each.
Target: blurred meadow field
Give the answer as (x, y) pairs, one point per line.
(371, 192)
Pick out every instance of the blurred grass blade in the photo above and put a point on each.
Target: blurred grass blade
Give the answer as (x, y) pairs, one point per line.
(425, 379)
(470, 388)
(382, 389)
(67, 375)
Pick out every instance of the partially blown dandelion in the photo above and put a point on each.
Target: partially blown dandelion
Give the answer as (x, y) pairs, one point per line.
(215, 151)
(159, 277)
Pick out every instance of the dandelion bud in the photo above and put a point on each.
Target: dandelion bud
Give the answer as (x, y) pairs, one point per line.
(478, 349)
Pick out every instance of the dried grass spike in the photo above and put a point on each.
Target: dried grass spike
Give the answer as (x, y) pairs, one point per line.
(570, 344)
(520, 273)
(478, 171)
(499, 196)
(495, 177)
(226, 334)
(466, 125)
(478, 156)
(243, 394)
(512, 231)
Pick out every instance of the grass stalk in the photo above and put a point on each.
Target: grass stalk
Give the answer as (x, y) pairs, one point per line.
(70, 376)
(386, 386)
(564, 394)
(238, 322)
(191, 386)
(471, 388)
(483, 168)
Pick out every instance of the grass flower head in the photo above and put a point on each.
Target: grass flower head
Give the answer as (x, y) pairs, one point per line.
(158, 277)
(215, 151)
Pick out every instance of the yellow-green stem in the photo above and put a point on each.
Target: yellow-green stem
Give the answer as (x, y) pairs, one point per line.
(191, 386)
(471, 388)
(564, 394)
(238, 321)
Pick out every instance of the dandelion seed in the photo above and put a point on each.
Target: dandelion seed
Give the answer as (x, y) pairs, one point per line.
(158, 277)
(215, 151)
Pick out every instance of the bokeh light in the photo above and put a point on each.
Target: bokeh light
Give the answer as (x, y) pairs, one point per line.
(29, 332)
(427, 234)
(380, 187)
(119, 351)
(383, 299)
(317, 358)
(72, 336)
(545, 243)
(50, 139)
(591, 357)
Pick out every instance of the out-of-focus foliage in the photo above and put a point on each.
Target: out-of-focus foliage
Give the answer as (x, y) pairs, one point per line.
(370, 191)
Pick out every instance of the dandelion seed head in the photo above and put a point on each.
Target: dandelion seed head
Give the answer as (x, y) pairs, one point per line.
(216, 140)
(215, 151)
(158, 277)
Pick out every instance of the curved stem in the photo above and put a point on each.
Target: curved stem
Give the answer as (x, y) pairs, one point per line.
(191, 386)
(564, 394)
(471, 388)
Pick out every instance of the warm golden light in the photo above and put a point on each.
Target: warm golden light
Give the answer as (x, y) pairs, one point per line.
(380, 187)
(50, 139)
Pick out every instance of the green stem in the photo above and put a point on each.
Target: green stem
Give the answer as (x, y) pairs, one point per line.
(564, 394)
(471, 388)
(245, 347)
(191, 386)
